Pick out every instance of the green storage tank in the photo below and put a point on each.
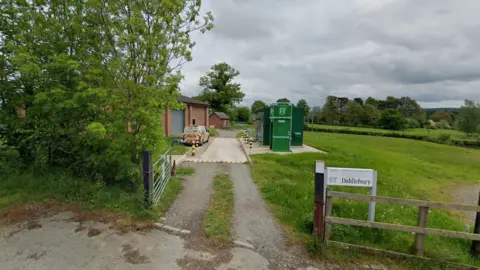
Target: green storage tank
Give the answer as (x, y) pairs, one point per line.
(298, 119)
(281, 126)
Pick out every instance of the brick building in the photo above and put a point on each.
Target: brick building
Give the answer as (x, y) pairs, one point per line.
(219, 120)
(195, 113)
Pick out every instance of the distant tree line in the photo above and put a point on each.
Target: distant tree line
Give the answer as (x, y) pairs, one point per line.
(391, 113)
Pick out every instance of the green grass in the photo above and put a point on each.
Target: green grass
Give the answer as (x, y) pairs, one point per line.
(185, 171)
(219, 214)
(170, 194)
(19, 187)
(406, 169)
(455, 134)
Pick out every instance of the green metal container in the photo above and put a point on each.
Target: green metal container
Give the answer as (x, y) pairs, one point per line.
(262, 125)
(281, 126)
(298, 119)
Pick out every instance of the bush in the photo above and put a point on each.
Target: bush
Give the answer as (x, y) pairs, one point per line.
(442, 124)
(444, 138)
(412, 123)
(392, 119)
(430, 125)
(213, 132)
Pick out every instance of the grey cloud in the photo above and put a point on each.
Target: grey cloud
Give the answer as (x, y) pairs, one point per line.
(427, 49)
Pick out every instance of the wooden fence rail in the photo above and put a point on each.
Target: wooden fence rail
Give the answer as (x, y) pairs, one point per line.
(420, 230)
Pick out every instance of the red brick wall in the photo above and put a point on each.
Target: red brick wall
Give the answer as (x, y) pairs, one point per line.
(215, 121)
(198, 113)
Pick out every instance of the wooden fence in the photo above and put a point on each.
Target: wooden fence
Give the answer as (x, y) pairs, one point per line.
(422, 222)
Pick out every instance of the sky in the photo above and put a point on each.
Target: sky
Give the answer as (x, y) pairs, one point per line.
(428, 50)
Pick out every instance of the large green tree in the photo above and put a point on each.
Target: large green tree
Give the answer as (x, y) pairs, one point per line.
(258, 104)
(371, 115)
(469, 117)
(302, 103)
(243, 114)
(331, 111)
(392, 119)
(355, 113)
(219, 88)
(90, 79)
(283, 100)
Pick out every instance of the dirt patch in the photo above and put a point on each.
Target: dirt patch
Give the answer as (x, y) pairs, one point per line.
(36, 256)
(93, 232)
(133, 256)
(32, 225)
(79, 228)
(194, 263)
(26, 212)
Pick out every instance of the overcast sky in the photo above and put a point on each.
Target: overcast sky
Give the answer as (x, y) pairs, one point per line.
(426, 49)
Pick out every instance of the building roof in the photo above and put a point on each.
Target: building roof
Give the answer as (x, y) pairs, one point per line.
(190, 100)
(221, 115)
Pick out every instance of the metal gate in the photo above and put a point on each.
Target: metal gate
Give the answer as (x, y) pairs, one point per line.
(156, 176)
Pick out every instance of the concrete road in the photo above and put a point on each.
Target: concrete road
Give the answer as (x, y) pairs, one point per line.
(224, 150)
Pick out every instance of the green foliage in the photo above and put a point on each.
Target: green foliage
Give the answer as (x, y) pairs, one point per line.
(407, 169)
(412, 123)
(20, 186)
(371, 115)
(331, 111)
(170, 194)
(431, 125)
(258, 104)
(283, 100)
(243, 114)
(442, 124)
(302, 103)
(354, 114)
(469, 117)
(220, 90)
(213, 132)
(219, 215)
(89, 79)
(392, 119)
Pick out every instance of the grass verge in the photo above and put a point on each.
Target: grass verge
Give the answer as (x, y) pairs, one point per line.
(20, 187)
(406, 169)
(219, 216)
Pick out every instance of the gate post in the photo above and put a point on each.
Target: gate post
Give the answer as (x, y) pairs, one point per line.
(318, 217)
(476, 229)
(147, 169)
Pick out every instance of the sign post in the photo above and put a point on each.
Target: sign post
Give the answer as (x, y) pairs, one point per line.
(318, 216)
(354, 178)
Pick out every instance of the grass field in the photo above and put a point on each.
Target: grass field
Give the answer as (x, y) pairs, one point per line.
(455, 134)
(406, 169)
(219, 215)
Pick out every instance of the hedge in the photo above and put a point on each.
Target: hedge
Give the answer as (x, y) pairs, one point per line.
(456, 142)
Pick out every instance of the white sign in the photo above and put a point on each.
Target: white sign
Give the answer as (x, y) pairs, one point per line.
(350, 177)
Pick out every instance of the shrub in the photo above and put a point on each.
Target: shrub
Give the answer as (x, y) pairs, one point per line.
(442, 124)
(392, 119)
(412, 123)
(213, 132)
(444, 138)
(431, 125)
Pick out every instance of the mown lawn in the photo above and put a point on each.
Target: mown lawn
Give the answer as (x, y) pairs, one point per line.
(455, 134)
(406, 169)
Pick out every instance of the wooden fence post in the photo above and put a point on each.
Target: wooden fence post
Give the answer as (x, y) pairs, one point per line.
(476, 229)
(147, 177)
(420, 237)
(328, 212)
(319, 203)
